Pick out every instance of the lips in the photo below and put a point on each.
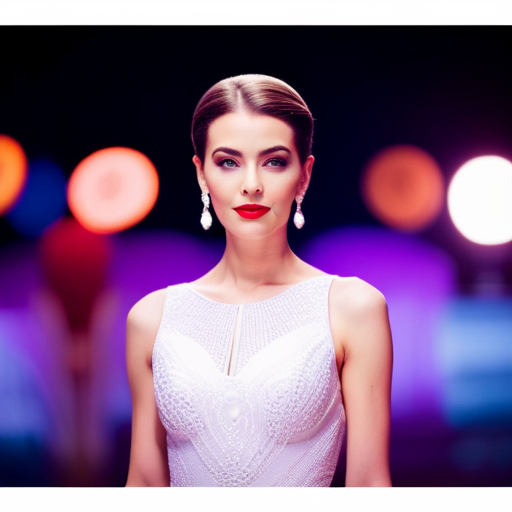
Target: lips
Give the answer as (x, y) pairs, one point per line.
(251, 211)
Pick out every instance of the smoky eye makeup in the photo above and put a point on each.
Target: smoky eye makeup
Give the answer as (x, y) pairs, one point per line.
(226, 163)
(229, 162)
(276, 162)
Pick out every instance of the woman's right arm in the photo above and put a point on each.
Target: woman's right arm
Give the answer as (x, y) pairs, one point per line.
(148, 454)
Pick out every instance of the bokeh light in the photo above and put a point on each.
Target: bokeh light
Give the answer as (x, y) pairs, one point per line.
(112, 189)
(403, 187)
(474, 354)
(13, 172)
(480, 200)
(42, 201)
(417, 279)
(75, 264)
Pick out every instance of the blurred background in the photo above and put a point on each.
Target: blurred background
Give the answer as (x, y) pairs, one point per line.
(99, 205)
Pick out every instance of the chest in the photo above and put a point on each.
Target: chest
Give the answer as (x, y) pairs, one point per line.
(283, 390)
(268, 367)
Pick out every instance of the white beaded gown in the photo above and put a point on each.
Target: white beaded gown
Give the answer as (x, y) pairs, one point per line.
(249, 395)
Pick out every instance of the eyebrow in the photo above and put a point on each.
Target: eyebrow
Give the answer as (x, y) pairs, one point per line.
(264, 152)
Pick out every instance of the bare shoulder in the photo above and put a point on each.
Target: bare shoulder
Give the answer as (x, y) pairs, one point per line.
(365, 380)
(148, 309)
(359, 316)
(144, 320)
(356, 296)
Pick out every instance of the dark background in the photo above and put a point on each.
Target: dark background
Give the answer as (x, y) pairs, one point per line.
(66, 92)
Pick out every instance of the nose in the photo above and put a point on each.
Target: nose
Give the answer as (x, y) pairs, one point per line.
(251, 184)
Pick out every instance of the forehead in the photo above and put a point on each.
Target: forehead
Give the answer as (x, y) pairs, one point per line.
(240, 130)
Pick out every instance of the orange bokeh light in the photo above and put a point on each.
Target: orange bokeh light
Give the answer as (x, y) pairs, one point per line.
(112, 189)
(403, 187)
(13, 172)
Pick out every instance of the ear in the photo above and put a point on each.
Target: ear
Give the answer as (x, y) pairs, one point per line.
(307, 168)
(200, 173)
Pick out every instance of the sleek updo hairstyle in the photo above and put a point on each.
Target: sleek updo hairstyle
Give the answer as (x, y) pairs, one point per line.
(259, 94)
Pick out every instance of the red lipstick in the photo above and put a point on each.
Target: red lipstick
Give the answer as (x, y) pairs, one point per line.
(251, 211)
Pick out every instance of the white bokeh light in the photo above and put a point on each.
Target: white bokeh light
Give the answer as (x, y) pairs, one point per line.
(480, 200)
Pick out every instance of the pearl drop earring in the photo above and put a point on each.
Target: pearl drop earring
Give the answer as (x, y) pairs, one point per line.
(206, 217)
(298, 218)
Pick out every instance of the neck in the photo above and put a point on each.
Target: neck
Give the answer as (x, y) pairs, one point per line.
(252, 263)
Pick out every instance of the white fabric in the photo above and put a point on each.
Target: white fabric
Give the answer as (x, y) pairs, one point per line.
(277, 419)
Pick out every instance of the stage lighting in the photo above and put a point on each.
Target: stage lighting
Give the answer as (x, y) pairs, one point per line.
(480, 200)
(112, 189)
(42, 201)
(13, 172)
(403, 187)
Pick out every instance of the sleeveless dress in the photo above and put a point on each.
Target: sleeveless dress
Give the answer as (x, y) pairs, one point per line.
(249, 395)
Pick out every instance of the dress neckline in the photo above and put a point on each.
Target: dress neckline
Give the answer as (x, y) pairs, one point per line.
(189, 287)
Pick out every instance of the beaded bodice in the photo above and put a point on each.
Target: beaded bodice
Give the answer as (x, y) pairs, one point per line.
(249, 395)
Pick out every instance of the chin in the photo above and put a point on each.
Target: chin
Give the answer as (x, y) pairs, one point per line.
(254, 232)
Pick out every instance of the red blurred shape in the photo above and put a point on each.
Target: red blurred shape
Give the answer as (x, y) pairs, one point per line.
(112, 189)
(75, 263)
(13, 172)
(403, 187)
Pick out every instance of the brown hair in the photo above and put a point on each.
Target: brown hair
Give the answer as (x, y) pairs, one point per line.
(259, 94)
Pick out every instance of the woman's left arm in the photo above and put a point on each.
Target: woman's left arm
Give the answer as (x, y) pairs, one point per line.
(364, 336)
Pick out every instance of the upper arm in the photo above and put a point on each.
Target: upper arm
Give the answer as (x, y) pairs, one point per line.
(366, 382)
(148, 455)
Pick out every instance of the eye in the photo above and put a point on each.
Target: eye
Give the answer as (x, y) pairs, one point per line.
(227, 162)
(276, 162)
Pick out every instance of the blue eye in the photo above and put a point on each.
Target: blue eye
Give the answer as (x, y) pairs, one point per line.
(227, 162)
(276, 162)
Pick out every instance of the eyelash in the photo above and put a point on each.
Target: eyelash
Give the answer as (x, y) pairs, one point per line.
(280, 162)
(222, 162)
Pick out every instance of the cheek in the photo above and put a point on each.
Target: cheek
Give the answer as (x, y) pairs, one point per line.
(220, 192)
(222, 200)
(217, 203)
(283, 197)
(282, 206)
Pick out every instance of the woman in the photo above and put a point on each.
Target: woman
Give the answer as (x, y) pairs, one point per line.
(249, 375)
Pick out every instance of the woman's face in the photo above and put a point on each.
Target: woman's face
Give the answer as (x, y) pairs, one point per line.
(251, 159)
